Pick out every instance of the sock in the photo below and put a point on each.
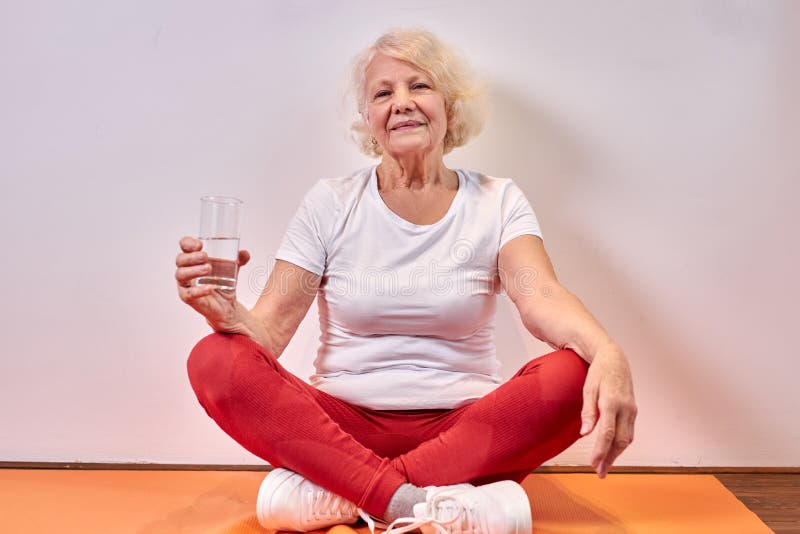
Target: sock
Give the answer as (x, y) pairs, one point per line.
(402, 502)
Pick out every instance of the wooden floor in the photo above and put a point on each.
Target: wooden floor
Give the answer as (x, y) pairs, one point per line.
(774, 498)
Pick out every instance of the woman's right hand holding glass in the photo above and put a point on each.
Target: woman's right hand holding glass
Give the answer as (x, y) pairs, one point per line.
(218, 306)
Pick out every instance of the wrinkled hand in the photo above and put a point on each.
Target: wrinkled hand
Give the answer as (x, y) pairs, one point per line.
(609, 389)
(218, 306)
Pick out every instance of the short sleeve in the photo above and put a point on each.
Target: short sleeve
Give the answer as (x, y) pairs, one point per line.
(518, 217)
(306, 240)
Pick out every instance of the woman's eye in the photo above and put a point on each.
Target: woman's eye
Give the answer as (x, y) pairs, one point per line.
(379, 94)
(421, 86)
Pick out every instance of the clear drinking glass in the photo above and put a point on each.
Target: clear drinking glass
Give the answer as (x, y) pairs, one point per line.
(219, 232)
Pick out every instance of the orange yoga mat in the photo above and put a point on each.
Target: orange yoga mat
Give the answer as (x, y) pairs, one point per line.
(223, 502)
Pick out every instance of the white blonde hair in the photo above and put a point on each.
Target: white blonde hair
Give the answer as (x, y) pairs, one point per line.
(464, 97)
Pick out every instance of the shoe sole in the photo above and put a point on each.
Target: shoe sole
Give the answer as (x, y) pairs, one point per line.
(276, 478)
(514, 502)
(278, 482)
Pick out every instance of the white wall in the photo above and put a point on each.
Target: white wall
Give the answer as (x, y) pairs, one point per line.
(656, 141)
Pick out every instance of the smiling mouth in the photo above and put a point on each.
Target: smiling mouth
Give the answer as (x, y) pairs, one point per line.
(408, 126)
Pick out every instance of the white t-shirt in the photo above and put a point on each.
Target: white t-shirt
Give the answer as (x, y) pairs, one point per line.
(406, 311)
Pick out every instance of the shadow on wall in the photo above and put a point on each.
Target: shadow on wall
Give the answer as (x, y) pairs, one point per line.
(552, 166)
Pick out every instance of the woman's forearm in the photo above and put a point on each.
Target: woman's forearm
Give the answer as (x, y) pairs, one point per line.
(560, 319)
(255, 328)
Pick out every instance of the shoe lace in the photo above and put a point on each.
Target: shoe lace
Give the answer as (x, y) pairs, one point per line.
(320, 504)
(438, 515)
(326, 505)
(368, 519)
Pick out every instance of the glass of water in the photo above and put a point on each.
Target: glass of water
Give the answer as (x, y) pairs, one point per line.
(219, 232)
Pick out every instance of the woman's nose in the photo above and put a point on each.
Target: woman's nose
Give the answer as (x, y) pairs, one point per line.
(402, 102)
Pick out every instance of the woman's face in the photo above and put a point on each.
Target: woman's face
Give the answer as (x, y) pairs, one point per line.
(405, 112)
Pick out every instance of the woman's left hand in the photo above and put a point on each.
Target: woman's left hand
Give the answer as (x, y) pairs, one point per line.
(609, 389)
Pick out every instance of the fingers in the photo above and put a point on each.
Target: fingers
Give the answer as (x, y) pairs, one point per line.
(608, 396)
(187, 259)
(188, 294)
(615, 439)
(620, 443)
(630, 424)
(190, 266)
(190, 244)
(191, 254)
(185, 275)
(244, 257)
(608, 461)
(191, 262)
(589, 411)
(605, 439)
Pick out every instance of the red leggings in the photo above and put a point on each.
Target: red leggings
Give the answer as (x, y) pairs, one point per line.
(364, 455)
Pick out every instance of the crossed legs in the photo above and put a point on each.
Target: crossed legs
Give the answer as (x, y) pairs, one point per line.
(365, 455)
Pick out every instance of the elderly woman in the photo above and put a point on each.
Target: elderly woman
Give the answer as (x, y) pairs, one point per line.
(406, 419)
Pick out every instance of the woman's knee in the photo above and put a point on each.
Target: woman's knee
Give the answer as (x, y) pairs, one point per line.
(571, 365)
(203, 365)
(570, 373)
(221, 365)
(559, 380)
(210, 365)
(561, 374)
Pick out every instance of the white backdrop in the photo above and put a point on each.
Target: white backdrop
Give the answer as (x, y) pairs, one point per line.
(656, 140)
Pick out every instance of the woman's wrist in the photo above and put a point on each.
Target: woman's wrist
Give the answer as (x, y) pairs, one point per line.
(251, 326)
(608, 349)
(235, 322)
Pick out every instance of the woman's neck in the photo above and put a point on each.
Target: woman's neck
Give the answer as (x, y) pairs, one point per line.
(414, 173)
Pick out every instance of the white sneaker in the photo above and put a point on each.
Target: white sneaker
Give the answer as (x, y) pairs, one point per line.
(288, 501)
(497, 508)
